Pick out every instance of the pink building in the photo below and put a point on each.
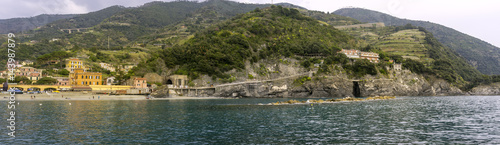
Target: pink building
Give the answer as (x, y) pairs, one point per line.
(140, 83)
(62, 81)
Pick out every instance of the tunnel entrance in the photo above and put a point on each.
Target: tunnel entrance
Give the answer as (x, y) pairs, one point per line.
(355, 89)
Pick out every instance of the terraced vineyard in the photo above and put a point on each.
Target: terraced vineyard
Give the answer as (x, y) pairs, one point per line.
(407, 43)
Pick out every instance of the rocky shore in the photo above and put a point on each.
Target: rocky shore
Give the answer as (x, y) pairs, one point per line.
(403, 83)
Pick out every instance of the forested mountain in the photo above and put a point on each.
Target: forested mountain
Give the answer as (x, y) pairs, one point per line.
(482, 55)
(276, 32)
(216, 36)
(122, 26)
(16, 25)
(270, 32)
(53, 30)
(87, 20)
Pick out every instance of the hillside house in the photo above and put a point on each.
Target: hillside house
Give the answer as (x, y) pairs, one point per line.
(397, 66)
(140, 83)
(356, 54)
(371, 56)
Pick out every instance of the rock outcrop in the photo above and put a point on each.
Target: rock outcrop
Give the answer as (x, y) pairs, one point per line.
(161, 92)
(492, 89)
(403, 83)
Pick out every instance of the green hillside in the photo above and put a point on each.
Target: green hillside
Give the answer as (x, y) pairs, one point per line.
(482, 55)
(260, 34)
(416, 44)
(216, 36)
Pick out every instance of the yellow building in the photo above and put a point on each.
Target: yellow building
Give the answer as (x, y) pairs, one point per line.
(82, 78)
(74, 63)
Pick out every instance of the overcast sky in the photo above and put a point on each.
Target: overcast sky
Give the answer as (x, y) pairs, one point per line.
(479, 18)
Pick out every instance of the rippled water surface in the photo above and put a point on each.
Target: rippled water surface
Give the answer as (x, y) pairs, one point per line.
(463, 119)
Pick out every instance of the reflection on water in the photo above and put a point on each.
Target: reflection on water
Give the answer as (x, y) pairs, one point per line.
(467, 119)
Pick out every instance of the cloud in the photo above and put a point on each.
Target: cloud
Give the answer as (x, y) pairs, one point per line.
(28, 8)
(61, 7)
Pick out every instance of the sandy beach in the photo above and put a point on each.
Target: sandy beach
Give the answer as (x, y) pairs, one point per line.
(89, 96)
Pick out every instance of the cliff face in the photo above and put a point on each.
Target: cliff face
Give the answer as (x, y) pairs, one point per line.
(402, 83)
(278, 78)
(492, 89)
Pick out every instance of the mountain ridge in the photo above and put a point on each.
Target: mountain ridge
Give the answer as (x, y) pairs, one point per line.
(481, 54)
(16, 25)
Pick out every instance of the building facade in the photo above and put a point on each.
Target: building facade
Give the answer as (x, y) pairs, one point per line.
(397, 66)
(27, 62)
(351, 53)
(31, 73)
(178, 81)
(82, 78)
(62, 81)
(110, 80)
(107, 66)
(140, 83)
(74, 63)
(371, 56)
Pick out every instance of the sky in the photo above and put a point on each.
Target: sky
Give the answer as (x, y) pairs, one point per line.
(478, 18)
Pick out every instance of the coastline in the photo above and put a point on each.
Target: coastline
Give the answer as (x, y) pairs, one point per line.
(88, 96)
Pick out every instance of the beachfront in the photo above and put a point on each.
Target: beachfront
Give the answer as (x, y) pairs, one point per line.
(89, 96)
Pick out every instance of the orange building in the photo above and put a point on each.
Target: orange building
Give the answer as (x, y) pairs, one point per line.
(373, 57)
(82, 78)
(74, 63)
(140, 83)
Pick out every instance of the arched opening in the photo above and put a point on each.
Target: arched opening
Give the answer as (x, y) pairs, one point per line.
(169, 82)
(50, 89)
(18, 88)
(355, 89)
(34, 89)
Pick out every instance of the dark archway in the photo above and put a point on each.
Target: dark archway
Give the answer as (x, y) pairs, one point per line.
(50, 89)
(169, 82)
(34, 89)
(355, 89)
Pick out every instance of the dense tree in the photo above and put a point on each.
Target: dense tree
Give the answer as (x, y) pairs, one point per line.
(273, 32)
(22, 80)
(46, 81)
(63, 72)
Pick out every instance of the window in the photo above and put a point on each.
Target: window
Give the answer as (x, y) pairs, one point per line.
(93, 83)
(82, 76)
(82, 83)
(97, 83)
